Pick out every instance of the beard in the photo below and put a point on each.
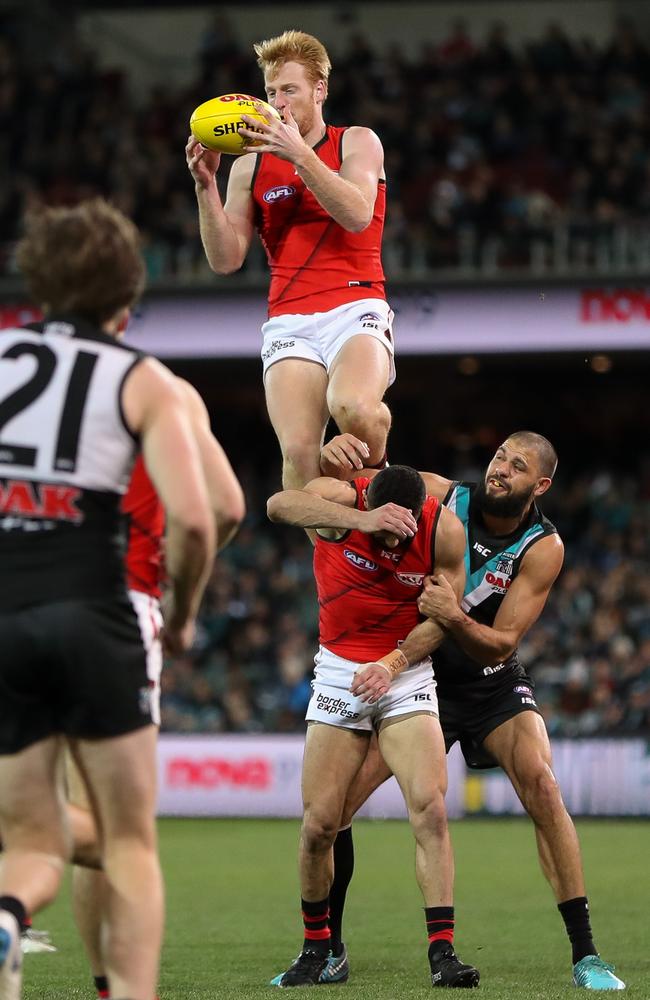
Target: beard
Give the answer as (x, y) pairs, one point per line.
(506, 505)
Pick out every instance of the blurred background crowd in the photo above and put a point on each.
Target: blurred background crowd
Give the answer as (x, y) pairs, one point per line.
(498, 156)
(589, 654)
(502, 159)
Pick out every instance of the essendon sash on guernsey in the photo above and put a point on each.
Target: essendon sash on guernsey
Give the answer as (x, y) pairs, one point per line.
(367, 594)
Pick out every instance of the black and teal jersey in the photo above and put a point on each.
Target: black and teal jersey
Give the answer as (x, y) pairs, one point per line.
(491, 564)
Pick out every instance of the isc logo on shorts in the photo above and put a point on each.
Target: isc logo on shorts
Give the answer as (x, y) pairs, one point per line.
(360, 561)
(278, 193)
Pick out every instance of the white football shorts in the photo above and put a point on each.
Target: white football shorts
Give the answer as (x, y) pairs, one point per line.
(332, 702)
(320, 336)
(150, 620)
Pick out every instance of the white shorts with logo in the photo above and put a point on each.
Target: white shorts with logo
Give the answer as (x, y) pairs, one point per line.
(320, 336)
(332, 702)
(150, 620)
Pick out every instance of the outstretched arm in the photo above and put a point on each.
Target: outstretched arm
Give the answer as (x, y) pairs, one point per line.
(226, 231)
(330, 504)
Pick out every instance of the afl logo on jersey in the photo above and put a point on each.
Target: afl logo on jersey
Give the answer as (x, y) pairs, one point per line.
(360, 561)
(278, 193)
(410, 579)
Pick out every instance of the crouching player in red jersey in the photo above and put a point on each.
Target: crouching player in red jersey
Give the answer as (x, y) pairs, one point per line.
(316, 194)
(375, 543)
(145, 576)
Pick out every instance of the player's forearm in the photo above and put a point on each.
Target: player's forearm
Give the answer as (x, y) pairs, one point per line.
(341, 199)
(488, 646)
(220, 241)
(306, 510)
(189, 554)
(419, 643)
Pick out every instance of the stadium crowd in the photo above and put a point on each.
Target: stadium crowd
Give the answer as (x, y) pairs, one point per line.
(589, 654)
(496, 156)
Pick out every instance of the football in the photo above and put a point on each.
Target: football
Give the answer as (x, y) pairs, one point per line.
(217, 122)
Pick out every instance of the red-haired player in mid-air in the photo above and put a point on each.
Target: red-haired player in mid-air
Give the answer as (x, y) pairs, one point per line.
(316, 194)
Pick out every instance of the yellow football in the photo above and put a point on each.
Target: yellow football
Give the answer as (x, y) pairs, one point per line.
(217, 122)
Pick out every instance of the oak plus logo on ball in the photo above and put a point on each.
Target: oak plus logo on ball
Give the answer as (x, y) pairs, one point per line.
(278, 193)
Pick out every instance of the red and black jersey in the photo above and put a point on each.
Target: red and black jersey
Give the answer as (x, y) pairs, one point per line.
(367, 594)
(146, 519)
(315, 263)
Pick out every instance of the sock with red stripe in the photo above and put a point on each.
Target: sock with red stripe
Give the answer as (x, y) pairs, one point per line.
(575, 913)
(440, 923)
(101, 985)
(316, 920)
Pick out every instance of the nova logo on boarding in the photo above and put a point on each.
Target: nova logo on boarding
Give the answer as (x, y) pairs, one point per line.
(360, 561)
(278, 193)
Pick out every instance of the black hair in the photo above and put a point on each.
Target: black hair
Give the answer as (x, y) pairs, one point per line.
(398, 484)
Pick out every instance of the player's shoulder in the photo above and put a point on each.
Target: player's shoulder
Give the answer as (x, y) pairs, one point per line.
(436, 486)
(543, 560)
(359, 137)
(243, 170)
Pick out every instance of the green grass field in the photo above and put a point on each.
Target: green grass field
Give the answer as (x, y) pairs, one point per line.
(232, 914)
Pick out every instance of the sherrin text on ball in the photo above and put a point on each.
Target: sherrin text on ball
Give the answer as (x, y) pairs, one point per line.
(216, 123)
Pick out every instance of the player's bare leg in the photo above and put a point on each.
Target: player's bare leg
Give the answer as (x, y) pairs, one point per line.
(373, 772)
(358, 379)
(297, 407)
(522, 748)
(88, 885)
(88, 907)
(333, 755)
(414, 748)
(36, 846)
(120, 774)
(341, 752)
(35, 836)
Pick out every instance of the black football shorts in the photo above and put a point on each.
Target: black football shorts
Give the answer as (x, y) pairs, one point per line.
(468, 717)
(74, 667)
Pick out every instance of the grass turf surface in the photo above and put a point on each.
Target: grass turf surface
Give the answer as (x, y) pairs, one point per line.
(233, 922)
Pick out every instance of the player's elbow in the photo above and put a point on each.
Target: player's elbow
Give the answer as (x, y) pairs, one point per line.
(500, 654)
(357, 224)
(274, 508)
(224, 267)
(229, 512)
(196, 531)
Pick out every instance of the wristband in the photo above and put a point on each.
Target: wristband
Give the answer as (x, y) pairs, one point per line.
(394, 662)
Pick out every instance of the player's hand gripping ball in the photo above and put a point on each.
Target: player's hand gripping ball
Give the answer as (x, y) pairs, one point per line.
(217, 122)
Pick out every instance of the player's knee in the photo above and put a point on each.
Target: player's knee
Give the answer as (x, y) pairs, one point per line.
(540, 793)
(318, 832)
(301, 458)
(356, 414)
(428, 815)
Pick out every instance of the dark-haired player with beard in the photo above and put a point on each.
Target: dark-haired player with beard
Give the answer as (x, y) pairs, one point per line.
(487, 703)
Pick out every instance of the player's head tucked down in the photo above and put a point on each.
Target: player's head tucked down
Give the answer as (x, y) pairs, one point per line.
(398, 484)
